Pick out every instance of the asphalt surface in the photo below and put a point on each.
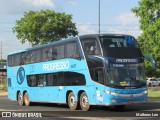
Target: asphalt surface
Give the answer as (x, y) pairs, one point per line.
(150, 110)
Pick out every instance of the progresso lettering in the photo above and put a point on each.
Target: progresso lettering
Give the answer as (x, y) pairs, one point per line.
(126, 60)
(56, 66)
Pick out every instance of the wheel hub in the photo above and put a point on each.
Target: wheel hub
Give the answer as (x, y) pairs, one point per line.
(72, 101)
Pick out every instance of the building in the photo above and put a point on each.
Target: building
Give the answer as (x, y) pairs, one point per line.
(3, 72)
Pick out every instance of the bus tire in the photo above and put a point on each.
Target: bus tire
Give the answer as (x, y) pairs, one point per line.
(84, 103)
(72, 102)
(26, 99)
(20, 99)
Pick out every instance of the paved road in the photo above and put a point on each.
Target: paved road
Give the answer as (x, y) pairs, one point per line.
(147, 110)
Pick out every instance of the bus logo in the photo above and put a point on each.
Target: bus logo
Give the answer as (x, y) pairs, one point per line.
(20, 75)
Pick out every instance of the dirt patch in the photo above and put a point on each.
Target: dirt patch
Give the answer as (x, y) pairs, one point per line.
(3, 93)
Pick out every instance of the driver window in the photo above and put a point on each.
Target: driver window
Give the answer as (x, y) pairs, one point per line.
(90, 47)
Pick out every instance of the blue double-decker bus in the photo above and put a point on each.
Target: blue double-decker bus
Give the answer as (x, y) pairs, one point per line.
(105, 69)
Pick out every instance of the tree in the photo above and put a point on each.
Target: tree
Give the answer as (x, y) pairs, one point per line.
(148, 12)
(2, 60)
(39, 27)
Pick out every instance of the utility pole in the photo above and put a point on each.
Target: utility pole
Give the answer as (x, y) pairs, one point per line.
(99, 19)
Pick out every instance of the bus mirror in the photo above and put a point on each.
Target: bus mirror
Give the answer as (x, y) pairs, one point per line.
(108, 65)
(44, 83)
(152, 60)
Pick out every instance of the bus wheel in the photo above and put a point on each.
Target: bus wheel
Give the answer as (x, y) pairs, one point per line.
(84, 103)
(20, 99)
(72, 103)
(26, 99)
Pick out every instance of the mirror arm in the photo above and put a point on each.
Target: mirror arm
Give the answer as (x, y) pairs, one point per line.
(152, 60)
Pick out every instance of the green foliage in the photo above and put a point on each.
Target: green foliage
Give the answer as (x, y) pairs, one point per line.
(39, 27)
(2, 60)
(148, 12)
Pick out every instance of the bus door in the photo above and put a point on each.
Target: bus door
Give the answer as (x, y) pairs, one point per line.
(100, 95)
(97, 75)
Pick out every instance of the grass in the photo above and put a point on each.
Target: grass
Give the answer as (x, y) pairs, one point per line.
(154, 92)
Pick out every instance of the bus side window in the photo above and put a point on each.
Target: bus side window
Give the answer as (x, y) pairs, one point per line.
(55, 79)
(71, 50)
(32, 81)
(49, 56)
(55, 53)
(27, 57)
(45, 54)
(61, 52)
(61, 79)
(41, 79)
(36, 56)
(97, 75)
(51, 79)
(74, 79)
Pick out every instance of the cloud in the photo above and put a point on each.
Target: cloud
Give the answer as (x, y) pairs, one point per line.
(127, 23)
(85, 29)
(40, 3)
(9, 46)
(134, 31)
(20, 6)
(127, 18)
(72, 2)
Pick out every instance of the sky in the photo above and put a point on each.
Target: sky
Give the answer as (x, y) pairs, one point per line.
(116, 17)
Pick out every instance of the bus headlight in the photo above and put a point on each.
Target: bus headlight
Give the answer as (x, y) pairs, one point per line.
(145, 92)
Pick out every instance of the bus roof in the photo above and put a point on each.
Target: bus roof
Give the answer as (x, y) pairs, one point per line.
(98, 35)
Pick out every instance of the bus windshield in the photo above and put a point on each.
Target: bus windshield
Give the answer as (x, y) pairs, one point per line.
(118, 41)
(127, 75)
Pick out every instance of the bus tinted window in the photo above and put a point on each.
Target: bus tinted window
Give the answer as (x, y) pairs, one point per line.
(27, 58)
(10, 61)
(47, 53)
(15, 60)
(51, 79)
(112, 42)
(53, 52)
(36, 56)
(54, 79)
(60, 51)
(71, 51)
(97, 75)
(73, 78)
(32, 81)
